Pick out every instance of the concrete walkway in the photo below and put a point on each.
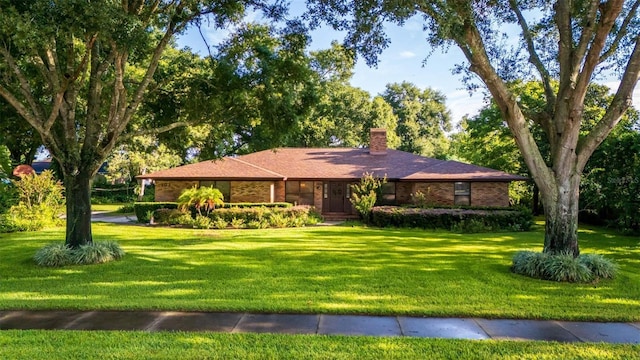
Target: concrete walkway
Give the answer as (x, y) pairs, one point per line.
(452, 328)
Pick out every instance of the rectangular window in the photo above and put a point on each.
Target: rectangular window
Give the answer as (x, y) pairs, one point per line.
(222, 185)
(388, 191)
(299, 192)
(462, 193)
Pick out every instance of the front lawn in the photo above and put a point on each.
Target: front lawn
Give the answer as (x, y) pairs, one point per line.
(52, 345)
(335, 269)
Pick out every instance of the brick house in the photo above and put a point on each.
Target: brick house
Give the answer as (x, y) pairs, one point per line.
(321, 177)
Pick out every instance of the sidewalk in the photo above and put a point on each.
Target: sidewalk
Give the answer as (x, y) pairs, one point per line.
(452, 328)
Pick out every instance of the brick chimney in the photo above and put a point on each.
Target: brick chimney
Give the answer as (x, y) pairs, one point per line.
(378, 142)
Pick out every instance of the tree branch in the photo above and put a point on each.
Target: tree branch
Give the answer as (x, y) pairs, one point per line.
(621, 33)
(619, 105)
(155, 131)
(534, 58)
(25, 88)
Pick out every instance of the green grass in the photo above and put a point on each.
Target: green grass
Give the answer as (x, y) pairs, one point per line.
(51, 345)
(109, 208)
(346, 270)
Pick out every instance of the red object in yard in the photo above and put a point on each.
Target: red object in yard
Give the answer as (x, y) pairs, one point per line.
(22, 170)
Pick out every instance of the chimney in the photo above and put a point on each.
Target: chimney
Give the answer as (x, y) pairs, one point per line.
(378, 142)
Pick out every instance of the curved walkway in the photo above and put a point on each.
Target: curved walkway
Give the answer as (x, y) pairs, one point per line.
(452, 328)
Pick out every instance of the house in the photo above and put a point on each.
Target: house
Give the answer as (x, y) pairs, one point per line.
(321, 177)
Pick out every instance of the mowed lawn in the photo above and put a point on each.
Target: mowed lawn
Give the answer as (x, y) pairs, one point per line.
(330, 269)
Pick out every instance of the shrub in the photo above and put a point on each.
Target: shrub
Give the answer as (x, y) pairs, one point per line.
(59, 254)
(126, 209)
(40, 203)
(144, 210)
(92, 253)
(237, 223)
(563, 267)
(114, 248)
(203, 198)
(257, 224)
(202, 222)
(220, 223)
(464, 220)
(168, 216)
(278, 220)
(600, 267)
(365, 194)
(54, 255)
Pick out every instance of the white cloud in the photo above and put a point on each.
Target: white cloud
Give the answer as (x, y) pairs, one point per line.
(407, 54)
(461, 104)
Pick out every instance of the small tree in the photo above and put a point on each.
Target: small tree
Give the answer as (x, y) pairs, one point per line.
(365, 194)
(206, 198)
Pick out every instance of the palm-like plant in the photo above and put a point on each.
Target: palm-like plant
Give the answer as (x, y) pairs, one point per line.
(206, 198)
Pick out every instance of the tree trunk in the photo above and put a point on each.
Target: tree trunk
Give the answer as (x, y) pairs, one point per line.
(561, 217)
(78, 194)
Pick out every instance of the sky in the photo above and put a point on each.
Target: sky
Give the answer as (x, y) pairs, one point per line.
(406, 59)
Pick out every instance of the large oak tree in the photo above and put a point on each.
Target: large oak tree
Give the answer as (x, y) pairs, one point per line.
(78, 70)
(570, 42)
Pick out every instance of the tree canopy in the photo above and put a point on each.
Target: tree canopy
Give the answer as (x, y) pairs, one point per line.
(568, 42)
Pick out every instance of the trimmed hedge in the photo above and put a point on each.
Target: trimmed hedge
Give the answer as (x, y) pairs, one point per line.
(253, 205)
(459, 220)
(258, 214)
(144, 210)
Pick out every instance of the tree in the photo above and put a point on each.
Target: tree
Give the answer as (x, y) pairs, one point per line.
(423, 118)
(80, 52)
(343, 114)
(568, 42)
(18, 136)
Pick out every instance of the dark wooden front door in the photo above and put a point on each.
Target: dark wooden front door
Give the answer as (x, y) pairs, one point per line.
(337, 192)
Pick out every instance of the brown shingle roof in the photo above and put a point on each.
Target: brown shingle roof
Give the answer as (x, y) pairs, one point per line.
(332, 163)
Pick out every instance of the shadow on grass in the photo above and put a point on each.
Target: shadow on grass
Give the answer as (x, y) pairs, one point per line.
(325, 270)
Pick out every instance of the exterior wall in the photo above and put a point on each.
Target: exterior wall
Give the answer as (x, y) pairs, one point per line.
(250, 191)
(403, 192)
(317, 195)
(279, 191)
(490, 194)
(439, 193)
(170, 190)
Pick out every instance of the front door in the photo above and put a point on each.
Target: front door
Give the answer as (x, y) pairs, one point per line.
(337, 194)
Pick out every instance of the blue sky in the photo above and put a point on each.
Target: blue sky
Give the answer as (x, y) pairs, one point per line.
(403, 60)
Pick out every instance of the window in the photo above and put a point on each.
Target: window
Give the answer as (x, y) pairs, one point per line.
(299, 192)
(462, 193)
(388, 191)
(223, 186)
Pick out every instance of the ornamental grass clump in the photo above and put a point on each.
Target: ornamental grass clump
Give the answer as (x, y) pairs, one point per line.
(59, 254)
(53, 255)
(563, 267)
(600, 267)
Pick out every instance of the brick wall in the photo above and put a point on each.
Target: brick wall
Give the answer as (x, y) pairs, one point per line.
(317, 195)
(438, 193)
(378, 141)
(251, 191)
(403, 192)
(490, 194)
(170, 190)
(279, 191)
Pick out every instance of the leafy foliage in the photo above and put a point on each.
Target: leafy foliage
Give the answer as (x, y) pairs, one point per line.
(59, 254)
(40, 203)
(365, 194)
(423, 119)
(458, 220)
(203, 198)
(563, 267)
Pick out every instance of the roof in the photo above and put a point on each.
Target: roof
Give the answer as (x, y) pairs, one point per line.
(331, 163)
